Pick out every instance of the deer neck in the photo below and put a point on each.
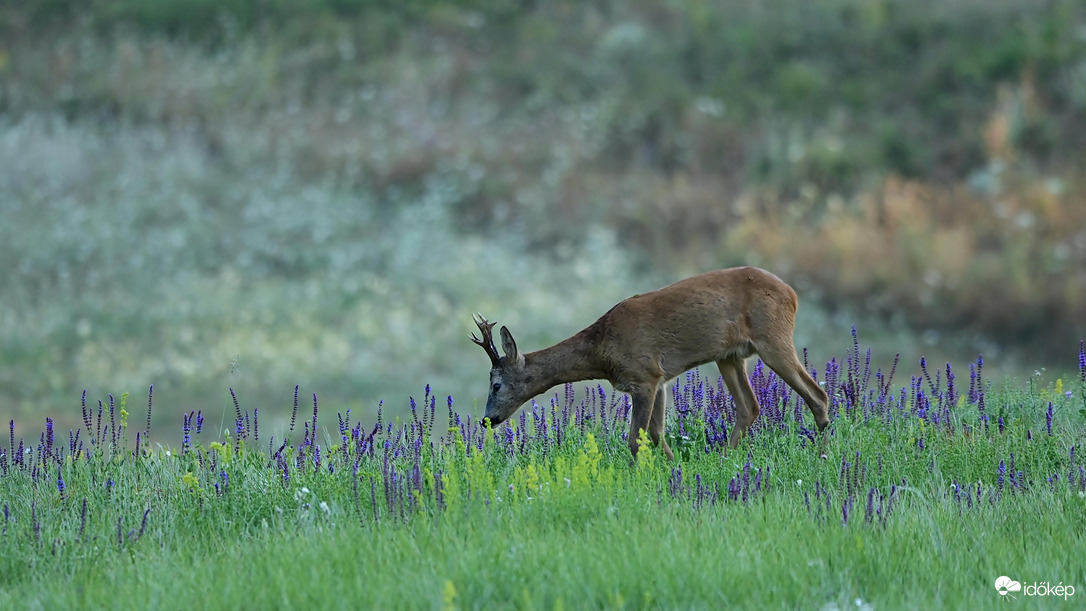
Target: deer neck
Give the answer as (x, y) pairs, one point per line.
(570, 360)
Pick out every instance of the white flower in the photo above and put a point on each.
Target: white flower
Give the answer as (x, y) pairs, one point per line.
(324, 507)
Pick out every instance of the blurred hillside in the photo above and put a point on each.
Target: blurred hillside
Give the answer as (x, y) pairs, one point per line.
(210, 193)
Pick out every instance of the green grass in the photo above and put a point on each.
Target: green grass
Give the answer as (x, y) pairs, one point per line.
(562, 519)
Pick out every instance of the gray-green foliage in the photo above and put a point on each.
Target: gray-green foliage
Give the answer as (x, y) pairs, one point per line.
(133, 258)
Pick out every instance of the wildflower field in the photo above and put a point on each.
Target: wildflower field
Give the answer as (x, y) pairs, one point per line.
(929, 492)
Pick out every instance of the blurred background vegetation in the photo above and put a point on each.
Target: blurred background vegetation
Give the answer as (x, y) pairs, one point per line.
(262, 193)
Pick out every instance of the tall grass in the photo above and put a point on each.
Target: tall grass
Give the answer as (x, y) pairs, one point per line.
(930, 491)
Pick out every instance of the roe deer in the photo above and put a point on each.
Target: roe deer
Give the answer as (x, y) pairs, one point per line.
(644, 341)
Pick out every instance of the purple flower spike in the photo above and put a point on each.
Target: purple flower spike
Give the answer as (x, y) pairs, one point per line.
(48, 436)
(239, 419)
(186, 426)
(86, 414)
(150, 395)
(1082, 360)
(143, 524)
(294, 412)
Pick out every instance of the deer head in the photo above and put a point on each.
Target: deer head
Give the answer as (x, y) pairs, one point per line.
(508, 379)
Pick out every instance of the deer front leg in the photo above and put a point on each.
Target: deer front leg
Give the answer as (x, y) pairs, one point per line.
(658, 420)
(643, 398)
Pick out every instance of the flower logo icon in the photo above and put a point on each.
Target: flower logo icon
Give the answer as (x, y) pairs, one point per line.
(1005, 585)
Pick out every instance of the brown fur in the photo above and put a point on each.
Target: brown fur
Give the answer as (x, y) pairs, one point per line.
(643, 342)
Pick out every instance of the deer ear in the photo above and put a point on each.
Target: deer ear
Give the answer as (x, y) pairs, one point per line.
(509, 346)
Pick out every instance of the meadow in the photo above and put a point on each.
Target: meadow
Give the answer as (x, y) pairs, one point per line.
(930, 490)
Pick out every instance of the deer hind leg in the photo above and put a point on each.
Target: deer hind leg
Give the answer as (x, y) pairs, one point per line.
(659, 418)
(785, 363)
(747, 409)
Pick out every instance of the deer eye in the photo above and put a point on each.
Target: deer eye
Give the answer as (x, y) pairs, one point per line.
(496, 387)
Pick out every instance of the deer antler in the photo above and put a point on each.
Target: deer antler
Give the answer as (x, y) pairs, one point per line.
(487, 329)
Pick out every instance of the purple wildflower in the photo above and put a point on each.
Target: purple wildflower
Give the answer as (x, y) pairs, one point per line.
(294, 412)
(112, 421)
(314, 429)
(150, 394)
(98, 427)
(675, 482)
(1048, 419)
(199, 421)
(238, 418)
(49, 436)
(1002, 472)
(143, 524)
(86, 414)
(186, 424)
(1082, 360)
(60, 484)
(951, 394)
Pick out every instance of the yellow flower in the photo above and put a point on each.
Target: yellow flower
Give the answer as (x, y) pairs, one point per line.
(645, 457)
(190, 480)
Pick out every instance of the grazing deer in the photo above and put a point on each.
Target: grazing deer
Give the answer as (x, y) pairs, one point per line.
(643, 342)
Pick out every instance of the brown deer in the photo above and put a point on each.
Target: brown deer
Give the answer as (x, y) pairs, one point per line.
(644, 341)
